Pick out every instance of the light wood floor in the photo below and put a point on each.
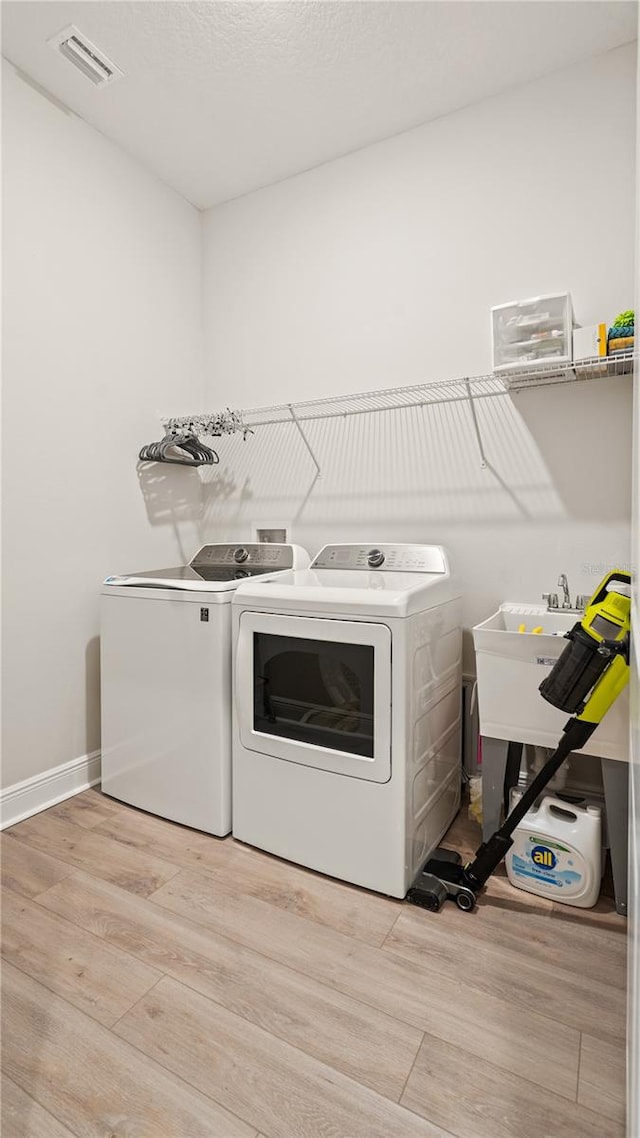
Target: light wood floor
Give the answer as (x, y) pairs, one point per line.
(159, 983)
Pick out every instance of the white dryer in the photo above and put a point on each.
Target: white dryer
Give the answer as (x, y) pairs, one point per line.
(347, 712)
(165, 651)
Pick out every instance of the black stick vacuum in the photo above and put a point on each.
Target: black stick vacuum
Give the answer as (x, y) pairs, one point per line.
(585, 681)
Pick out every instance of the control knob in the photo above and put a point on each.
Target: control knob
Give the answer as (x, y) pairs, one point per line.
(240, 555)
(375, 558)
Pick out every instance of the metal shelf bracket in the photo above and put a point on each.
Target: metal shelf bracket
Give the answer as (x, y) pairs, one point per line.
(304, 439)
(476, 425)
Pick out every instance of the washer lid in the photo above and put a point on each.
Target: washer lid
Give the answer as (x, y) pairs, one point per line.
(206, 578)
(217, 567)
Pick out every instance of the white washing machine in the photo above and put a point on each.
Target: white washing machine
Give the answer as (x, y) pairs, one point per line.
(347, 712)
(165, 651)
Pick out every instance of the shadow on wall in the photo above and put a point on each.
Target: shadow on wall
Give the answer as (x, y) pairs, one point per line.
(173, 497)
(583, 431)
(552, 454)
(172, 494)
(92, 695)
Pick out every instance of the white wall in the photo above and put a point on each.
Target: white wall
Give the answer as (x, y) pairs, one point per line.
(375, 270)
(379, 270)
(102, 329)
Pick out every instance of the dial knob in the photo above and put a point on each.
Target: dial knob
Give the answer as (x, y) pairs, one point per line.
(240, 555)
(375, 558)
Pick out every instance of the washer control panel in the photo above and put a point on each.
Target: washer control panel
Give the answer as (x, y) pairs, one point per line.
(259, 554)
(383, 558)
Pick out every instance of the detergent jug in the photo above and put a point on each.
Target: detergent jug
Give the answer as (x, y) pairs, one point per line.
(557, 852)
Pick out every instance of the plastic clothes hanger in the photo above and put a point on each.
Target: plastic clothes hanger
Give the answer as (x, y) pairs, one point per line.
(153, 451)
(194, 453)
(193, 446)
(205, 454)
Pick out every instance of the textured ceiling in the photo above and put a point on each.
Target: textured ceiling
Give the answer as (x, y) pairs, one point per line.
(221, 98)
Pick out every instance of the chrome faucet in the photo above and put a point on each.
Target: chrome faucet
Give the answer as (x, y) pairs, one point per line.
(553, 604)
(564, 585)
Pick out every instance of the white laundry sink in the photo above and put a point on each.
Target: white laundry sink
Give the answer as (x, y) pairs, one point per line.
(511, 616)
(511, 665)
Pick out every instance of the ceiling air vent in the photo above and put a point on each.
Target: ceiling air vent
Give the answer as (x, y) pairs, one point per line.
(85, 56)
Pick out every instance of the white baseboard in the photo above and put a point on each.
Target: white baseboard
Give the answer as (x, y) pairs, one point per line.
(42, 790)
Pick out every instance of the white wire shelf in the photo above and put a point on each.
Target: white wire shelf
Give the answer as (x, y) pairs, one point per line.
(467, 389)
(368, 402)
(599, 367)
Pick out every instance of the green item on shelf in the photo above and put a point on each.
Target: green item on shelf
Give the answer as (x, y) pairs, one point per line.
(625, 319)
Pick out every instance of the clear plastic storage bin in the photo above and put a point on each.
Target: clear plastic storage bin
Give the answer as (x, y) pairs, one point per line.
(532, 333)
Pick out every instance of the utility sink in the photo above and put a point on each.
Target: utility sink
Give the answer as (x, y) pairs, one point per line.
(511, 665)
(511, 615)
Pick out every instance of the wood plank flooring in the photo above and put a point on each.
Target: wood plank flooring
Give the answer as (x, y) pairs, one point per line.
(160, 983)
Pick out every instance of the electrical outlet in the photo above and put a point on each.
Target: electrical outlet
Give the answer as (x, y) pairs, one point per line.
(271, 534)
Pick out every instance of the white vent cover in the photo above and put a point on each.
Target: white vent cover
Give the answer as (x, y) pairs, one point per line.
(84, 55)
